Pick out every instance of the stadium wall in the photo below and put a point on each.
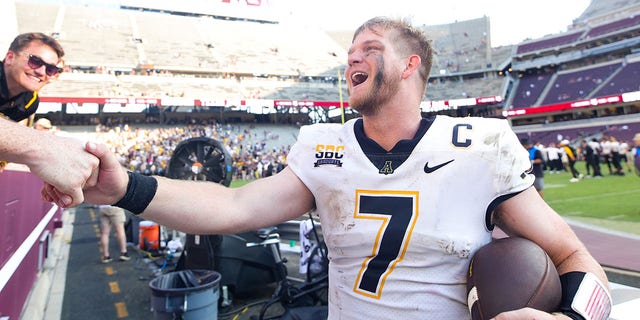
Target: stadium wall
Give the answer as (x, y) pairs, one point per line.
(26, 230)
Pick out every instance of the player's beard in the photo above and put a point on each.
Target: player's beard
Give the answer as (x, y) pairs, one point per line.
(384, 87)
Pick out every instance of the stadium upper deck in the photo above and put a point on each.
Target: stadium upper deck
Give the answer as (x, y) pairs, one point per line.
(146, 53)
(126, 41)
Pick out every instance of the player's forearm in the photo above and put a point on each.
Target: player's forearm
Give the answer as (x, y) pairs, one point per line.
(193, 207)
(205, 207)
(582, 260)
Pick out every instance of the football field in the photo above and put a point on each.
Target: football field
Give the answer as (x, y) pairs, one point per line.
(612, 202)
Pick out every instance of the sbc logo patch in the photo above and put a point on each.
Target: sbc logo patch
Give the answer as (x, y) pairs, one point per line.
(327, 154)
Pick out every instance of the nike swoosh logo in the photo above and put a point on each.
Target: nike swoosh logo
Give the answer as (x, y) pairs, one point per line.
(428, 169)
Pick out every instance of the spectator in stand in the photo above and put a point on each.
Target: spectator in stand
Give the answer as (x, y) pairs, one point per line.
(32, 61)
(572, 157)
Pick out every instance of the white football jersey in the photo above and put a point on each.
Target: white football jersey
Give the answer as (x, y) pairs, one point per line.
(401, 226)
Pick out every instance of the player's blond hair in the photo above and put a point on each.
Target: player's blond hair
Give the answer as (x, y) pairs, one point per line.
(409, 40)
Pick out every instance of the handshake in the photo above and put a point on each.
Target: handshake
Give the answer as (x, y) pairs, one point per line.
(88, 173)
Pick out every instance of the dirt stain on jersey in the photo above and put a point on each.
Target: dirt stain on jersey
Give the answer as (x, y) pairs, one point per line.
(450, 247)
(492, 140)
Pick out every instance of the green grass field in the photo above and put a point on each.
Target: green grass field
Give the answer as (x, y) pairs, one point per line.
(611, 202)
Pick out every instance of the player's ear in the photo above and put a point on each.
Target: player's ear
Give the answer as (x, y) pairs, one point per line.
(413, 63)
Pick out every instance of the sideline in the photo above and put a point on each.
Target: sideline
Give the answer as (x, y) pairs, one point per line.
(593, 225)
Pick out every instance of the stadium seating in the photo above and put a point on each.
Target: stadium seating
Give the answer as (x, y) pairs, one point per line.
(549, 42)
(624, 131)
(529, 88)
(622, 128)
(578, 84)
(447, 90)
(460, 46)
(628, 22)
(41, 20)
(626, 80)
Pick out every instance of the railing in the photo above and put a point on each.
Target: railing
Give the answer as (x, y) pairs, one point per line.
(26, 224)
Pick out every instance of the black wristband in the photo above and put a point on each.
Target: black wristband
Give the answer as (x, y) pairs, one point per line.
(140, 191)
(570, 283)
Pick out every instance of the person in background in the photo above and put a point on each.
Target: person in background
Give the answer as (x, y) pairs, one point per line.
(614, 144)
(590, 158)
(32, 61)
(553, 156)
(537, 165)
(112, 217)
(626, 155)
(636, 152)
(404, 201)
(605, 152)
(43, 124)
(595, 146)
(572, 158)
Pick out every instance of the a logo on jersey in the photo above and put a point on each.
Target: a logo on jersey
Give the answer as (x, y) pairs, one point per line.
(428, 169)
(387, 168)
(327, 154)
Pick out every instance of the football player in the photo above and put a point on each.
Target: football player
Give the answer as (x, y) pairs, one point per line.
(404, 201)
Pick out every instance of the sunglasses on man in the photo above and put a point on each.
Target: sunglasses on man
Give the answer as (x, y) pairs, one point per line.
(36, 62)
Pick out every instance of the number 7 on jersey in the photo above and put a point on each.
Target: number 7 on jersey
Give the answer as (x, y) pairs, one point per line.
(398, 212)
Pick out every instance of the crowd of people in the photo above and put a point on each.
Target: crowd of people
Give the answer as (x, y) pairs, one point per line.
(148, 151)
(600, 156)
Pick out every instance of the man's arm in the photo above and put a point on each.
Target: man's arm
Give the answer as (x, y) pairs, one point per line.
(527, 215)
(201, 207)
(59, 161)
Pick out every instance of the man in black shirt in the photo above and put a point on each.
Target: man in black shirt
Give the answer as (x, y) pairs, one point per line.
(32, 61)
(537, 165)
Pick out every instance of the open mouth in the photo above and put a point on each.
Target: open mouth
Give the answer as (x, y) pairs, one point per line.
(358, 78)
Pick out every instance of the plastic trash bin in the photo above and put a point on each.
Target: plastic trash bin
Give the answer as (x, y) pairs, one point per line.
(186, 294)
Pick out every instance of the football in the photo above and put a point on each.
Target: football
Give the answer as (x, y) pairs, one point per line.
(509, 274)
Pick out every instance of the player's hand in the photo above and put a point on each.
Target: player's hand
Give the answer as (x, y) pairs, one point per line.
(111, 178)
(65, 166)
(106, 184)
(529, 314)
